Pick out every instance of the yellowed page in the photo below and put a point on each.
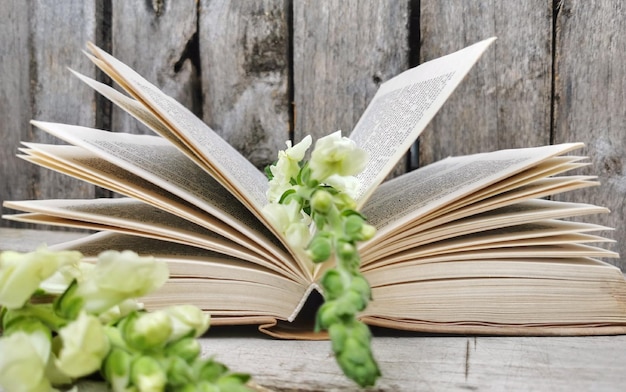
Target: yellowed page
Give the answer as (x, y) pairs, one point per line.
(401, 109)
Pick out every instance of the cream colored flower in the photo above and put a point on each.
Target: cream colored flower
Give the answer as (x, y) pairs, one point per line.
(286, 167)
(118, 276)
(22, 273)
(290, 221)
(23, 359)
(185, 319)
(334, 154)
(347, 184)
(84, 346)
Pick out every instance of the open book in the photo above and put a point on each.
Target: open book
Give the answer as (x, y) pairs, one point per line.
(465, 245)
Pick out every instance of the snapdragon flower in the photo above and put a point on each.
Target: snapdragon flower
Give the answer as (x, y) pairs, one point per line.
(286, 168)
(84, 346)
(118, 276)
(23, 362)
(22, 273)
(290, 220)
(336, 155)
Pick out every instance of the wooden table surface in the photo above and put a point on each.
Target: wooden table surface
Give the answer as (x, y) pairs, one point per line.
(409, 362)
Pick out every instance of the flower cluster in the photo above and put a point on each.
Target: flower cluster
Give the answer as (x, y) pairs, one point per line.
(63, 319)
(312, 204)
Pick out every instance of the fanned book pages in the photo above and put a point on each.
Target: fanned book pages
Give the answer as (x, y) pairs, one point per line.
(469, 244)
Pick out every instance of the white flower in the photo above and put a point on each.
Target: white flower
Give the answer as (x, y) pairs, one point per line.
(334, 154)
(286, 168)
(120, 310)
(347, 184)
(22, 273)
(23, 362)
(187, 318)
(291, 221)
(84, 346)
(118, 276)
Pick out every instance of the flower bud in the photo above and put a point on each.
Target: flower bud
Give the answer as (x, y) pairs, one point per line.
(116, 369)
(320, 248)
(209, 370)
(344, 201)
(338, 335)
(367, 232)
(321, 201)
(146, 331)
(148, 375)
(187, 320)
(179, 373)
(361, 286)
(346, 251)
(333, 285)
(353, 225)
(187, 348)
(357, 362)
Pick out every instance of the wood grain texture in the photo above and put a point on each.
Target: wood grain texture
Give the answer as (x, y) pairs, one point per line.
(15, 103)
(590, 96)
(244, 51)
(505, 100)
(155, 38)
(46, 47)
(342, 52)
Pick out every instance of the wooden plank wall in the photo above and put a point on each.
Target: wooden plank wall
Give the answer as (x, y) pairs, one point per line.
(260, 72)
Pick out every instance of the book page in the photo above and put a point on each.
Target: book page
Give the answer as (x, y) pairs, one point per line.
(236, 173)
(401, 109)
(223, 286)
(155, 160)
(134, 217)
(525, 212)
(414, 194)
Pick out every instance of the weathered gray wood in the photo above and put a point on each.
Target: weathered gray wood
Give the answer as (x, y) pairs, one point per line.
(590, 93)
(244, 52)
(505, 100)
(15, 109)
(152, 37)
(342, 51)
(46, 47)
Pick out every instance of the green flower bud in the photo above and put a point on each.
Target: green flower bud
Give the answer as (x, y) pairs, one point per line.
(343, 202)
(148, 375)
(361, 286)
(357, 362)
(187, 348)
(205, 386)
(353, 225)
(355, 299)
(333, 284)
(146, 331)
(209, 370)
(320, 248)
(187, 320)
(179, 372)
(116, 369)
(326, 316)
(338, 335)
(69, 304)
(367, 232)
(346, 251)
(321, 201)
(233, 382)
